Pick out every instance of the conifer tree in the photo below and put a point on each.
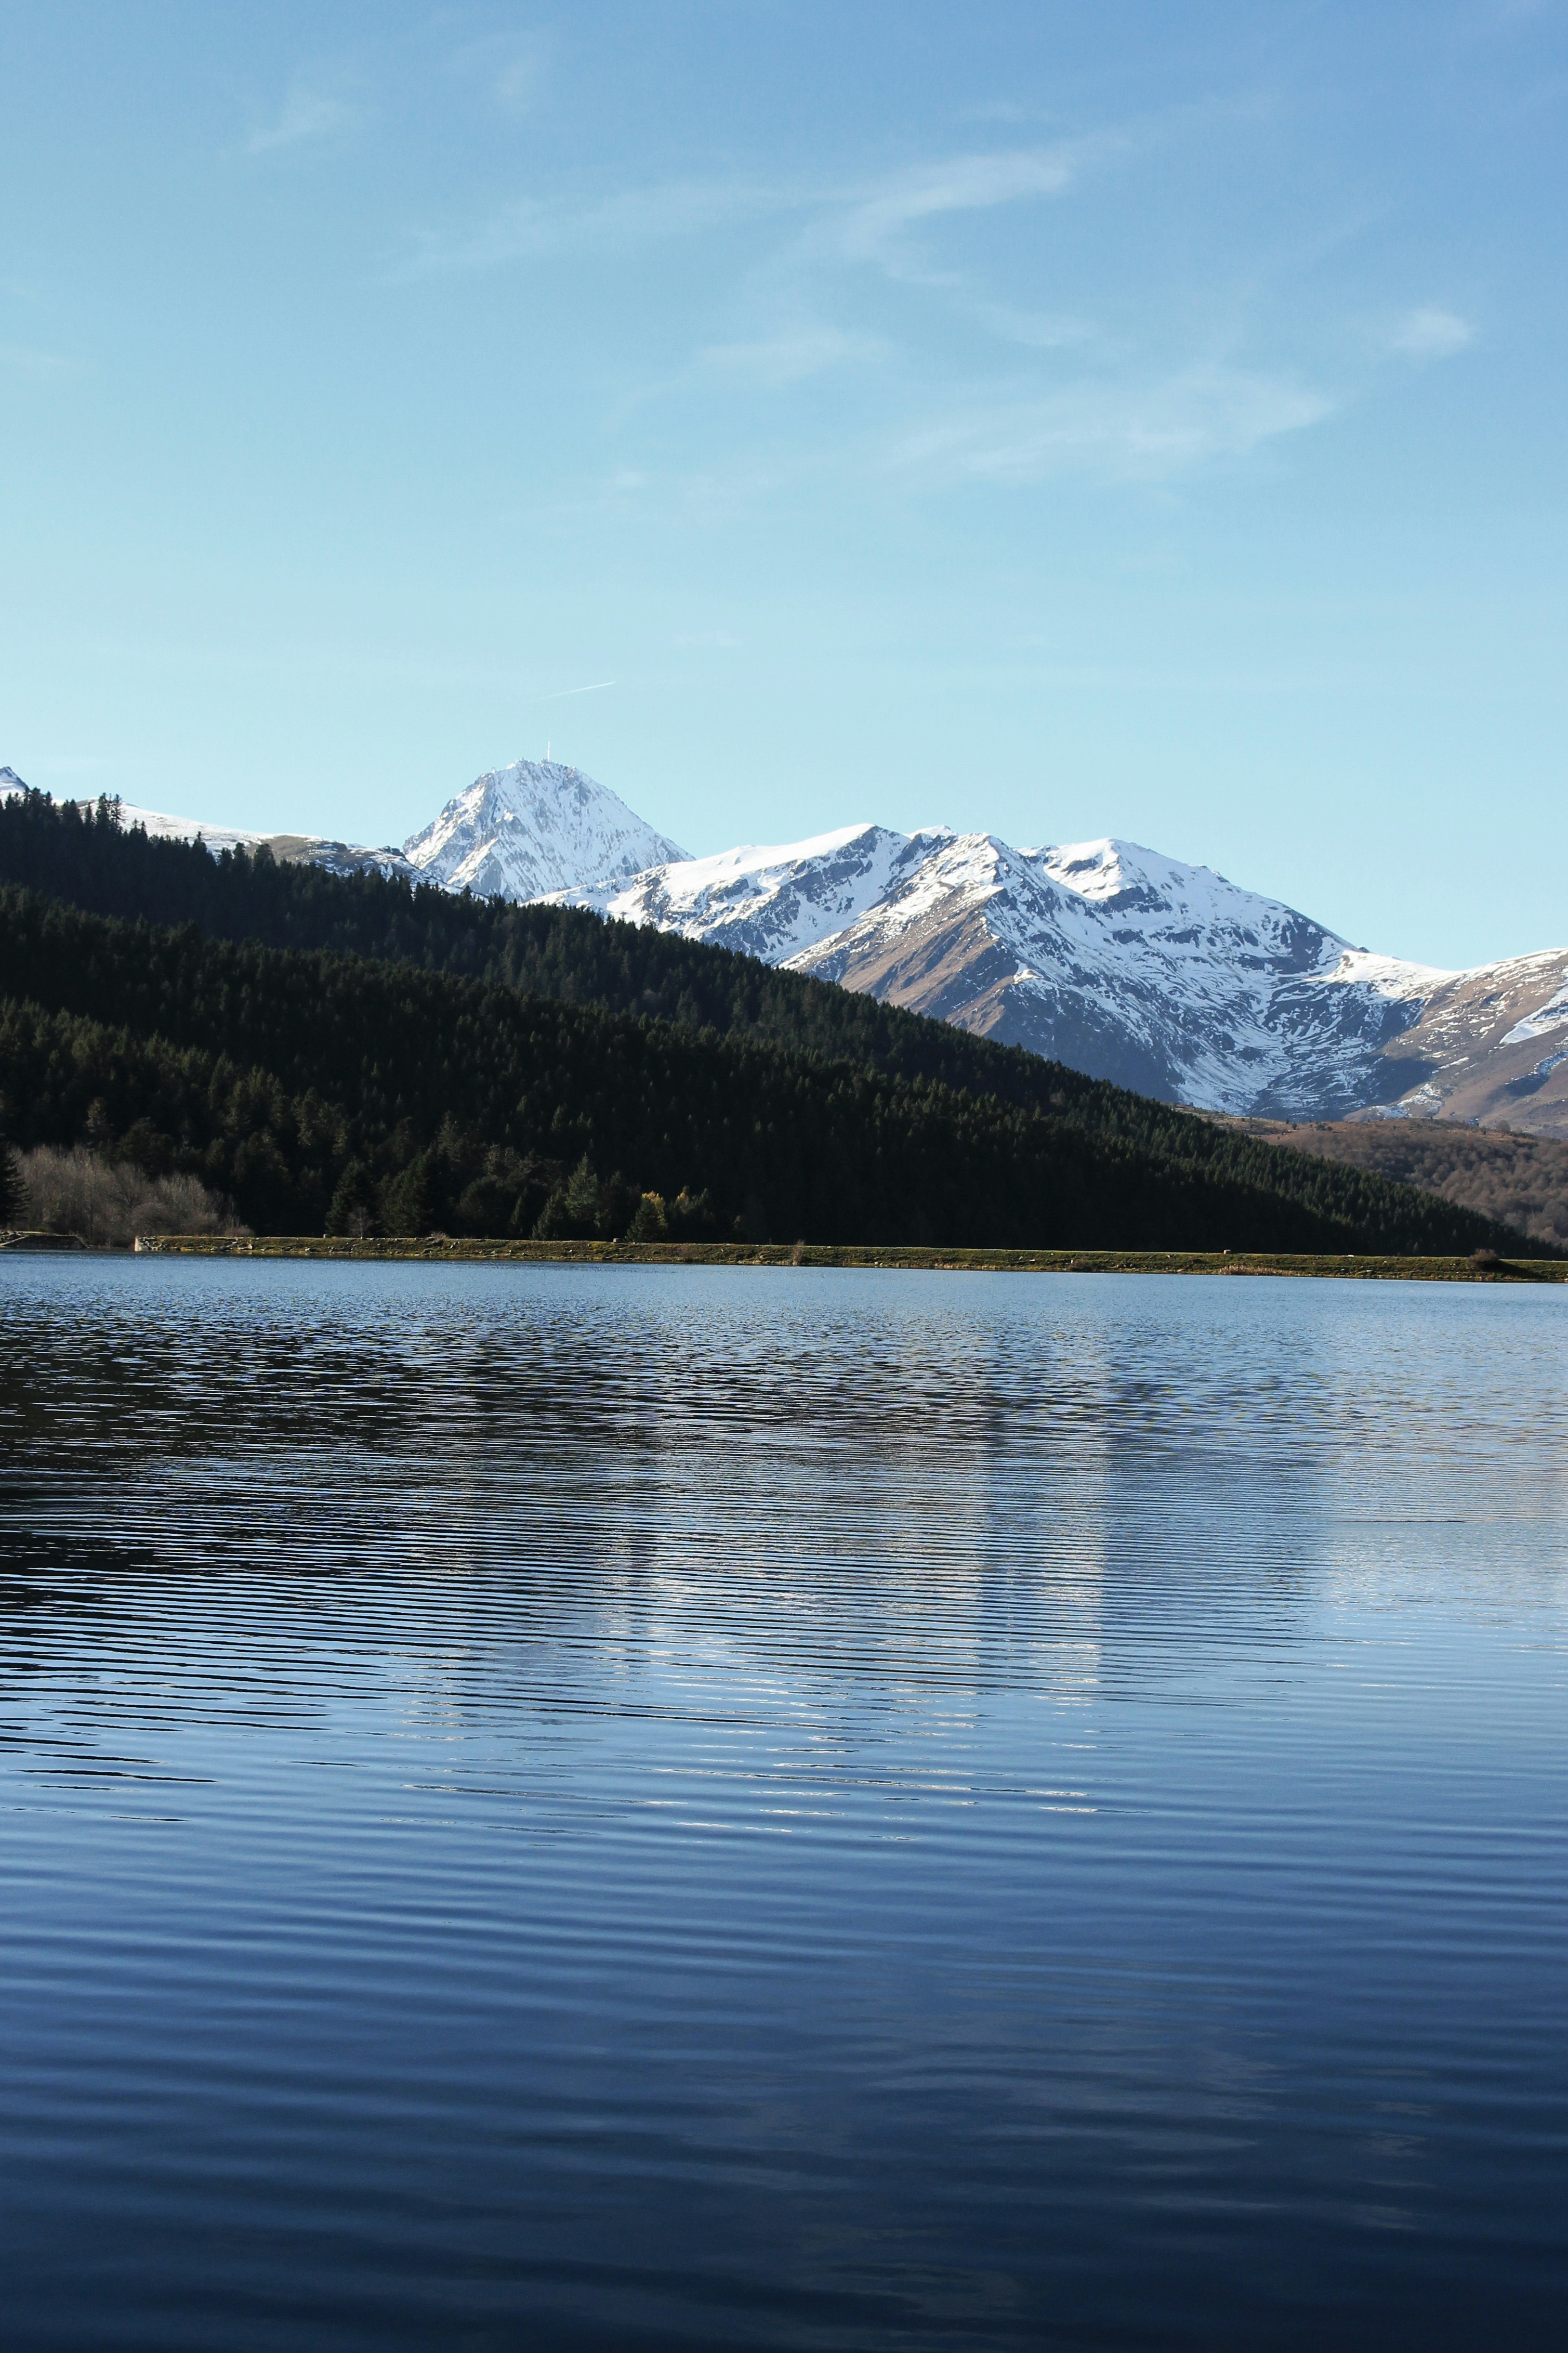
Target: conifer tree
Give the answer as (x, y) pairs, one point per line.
(10, 1185)
(352, 1209)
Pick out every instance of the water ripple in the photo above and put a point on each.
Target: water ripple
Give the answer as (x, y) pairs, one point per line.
(676, 1806)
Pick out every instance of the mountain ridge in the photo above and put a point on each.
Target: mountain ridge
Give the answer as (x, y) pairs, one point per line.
(1118, 960)
(1158, 975)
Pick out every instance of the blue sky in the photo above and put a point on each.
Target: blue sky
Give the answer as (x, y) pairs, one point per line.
(1060, 420)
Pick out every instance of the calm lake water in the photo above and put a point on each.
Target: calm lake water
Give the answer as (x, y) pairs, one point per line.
(680, 1806)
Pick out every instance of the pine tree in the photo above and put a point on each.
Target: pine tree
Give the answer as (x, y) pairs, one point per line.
(352, 1209)
(410, 1202)
(10, 1185)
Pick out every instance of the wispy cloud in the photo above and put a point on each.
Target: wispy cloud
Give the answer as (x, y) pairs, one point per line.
(873, 228)
(513, 69)
(517, 81)
(1116, 432)
(306, 114)
(534, 226)
(1430, 334)
(21, 359)
(793, 354)
(864, 222)
(1147, 402)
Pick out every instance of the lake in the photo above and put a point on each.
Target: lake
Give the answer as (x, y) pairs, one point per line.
(676, 1806)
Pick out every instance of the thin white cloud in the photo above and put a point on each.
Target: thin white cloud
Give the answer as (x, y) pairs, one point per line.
(517, 81)
(1038, 330)
(793, 354)
(1114, 410)
(21, 359)
(306, 114)
(855, 224)
(1114, 432)
(530, 227)
(1431, 334)
(873, 227)
(512, 68)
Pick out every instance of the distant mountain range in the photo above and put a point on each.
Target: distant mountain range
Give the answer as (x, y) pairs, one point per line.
(1162, 977)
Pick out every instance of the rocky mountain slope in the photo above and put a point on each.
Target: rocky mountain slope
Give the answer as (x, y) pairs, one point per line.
(1490, 1044)
(1159, 975)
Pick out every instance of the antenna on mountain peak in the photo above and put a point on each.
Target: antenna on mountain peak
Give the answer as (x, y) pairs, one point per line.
(547, 751)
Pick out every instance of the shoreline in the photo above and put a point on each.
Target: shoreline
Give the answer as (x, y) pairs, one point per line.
(1351, 1266)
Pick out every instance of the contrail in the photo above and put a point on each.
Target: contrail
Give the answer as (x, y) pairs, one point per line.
(597, 688)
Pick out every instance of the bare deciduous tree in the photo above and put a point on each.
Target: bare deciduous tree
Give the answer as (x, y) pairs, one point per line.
(109, 1202)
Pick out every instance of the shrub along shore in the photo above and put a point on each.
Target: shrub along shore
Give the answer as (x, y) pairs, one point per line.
(1482, 1267)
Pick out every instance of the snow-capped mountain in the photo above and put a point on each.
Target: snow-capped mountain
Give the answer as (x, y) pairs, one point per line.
(1160, 976)
(1114, 959)
(524, 831)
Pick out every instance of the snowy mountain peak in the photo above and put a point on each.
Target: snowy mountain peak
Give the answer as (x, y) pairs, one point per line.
(534, 828)
(1126, 878)
(1095, 870)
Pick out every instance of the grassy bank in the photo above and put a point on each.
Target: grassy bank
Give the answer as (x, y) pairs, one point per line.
(999, 1262)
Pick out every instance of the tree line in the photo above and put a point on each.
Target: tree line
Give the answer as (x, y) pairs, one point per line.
(314, 1087)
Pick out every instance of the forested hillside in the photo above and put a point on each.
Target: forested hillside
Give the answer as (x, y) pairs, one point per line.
(1519, 1180)
(317, 1088)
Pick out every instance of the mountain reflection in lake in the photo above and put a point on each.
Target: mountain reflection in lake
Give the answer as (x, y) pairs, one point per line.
(693, 1806)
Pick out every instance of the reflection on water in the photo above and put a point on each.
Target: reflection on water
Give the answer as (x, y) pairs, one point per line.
(702, 1807)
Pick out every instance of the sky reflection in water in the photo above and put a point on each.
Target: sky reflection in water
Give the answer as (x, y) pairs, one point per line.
(684, 1807)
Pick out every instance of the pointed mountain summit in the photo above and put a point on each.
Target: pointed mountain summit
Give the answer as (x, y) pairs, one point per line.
(533, 828)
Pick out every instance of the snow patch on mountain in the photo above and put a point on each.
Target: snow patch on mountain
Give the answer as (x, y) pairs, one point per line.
(1389, 975)
(1552, 1015)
